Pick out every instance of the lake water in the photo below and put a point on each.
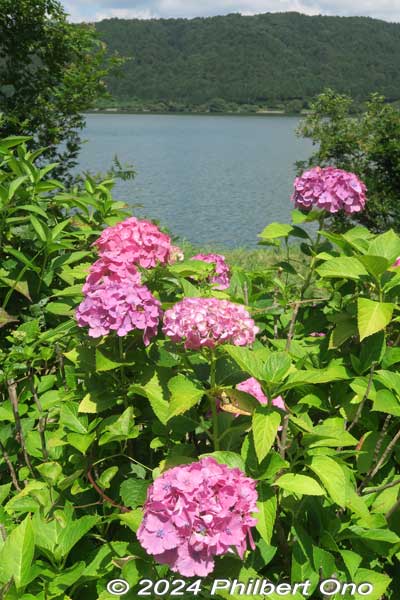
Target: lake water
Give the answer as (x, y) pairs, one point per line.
(209, 179)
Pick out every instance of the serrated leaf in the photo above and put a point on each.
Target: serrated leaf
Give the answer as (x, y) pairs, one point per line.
(184, 395)
(332, 477)
(265, 424)
(343, 267)
(300, 484)
(373, 316)
(134, 492)
(17, 554)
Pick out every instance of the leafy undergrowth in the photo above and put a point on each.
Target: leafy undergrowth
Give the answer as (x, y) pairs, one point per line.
(88, 423)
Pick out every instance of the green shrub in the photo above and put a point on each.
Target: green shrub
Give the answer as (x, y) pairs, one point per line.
(86, 424)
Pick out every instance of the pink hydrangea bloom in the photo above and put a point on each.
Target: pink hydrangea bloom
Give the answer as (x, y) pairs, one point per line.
(397, 262)
(330, 189)
(253, 387)
(221, 277)
(208, 322)
(105, 271)
(119, 307)
(196, 512)
(136, 242)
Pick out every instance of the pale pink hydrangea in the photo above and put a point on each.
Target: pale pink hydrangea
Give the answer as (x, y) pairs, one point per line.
(221, 277)
(253, 387)
(196, 512)
(208, 322)
(330, 189)
(105, 271)
(120, 307)
(176, 255)
(135, 241)
(397, 262)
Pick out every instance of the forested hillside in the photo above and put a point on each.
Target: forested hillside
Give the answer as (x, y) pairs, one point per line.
(264, 59)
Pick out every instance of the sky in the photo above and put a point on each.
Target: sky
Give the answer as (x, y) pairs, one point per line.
(95, 10)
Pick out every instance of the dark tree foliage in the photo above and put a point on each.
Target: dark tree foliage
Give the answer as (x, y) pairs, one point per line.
(50, 71)
(368, 144)
(267, 58)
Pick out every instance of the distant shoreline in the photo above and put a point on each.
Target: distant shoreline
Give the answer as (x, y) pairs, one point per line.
(118, 111)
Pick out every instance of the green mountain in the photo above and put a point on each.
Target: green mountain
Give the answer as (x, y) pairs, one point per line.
(263, 59)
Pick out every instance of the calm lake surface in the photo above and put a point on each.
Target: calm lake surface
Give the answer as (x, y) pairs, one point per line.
(209, 179)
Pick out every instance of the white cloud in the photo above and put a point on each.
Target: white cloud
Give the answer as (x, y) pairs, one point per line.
(144, 9)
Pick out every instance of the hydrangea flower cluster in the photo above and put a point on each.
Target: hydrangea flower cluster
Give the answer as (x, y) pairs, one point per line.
(120, 307)
(253, 387)
(114, 299)
(208, 322)
(196, 512)
(136, 242)
(330, 189)
(221, 277)
(106, 271)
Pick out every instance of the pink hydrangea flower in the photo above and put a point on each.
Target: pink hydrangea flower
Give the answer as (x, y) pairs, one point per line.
(253, 387)
(120, 307)
(105, 271)
(196, 512)
(136, 242)
(221, 277)
(330, 189)
(397, 262)
(208, 322)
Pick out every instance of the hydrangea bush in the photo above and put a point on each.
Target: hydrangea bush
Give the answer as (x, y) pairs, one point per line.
(160, 423)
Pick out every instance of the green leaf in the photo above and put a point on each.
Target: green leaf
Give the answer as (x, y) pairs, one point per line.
(277, 367)
(5, 318)
(50, 471)
(69, 418)
(386, 402)
(379, 581)
(375, 265)
(132, 519)
(250, 361)
(352, 561)
(275, 230)
(17, 554)
(192, 268)
(106, 477)
(184, 395)
(300, 484)
(107, 361)
(154, 390)
(342, 267)
(267, 505)
(265, 425)
(373, 316)
(224, 457)
(39, 228)
(59, 308)
(134, 492)
(72, 533)
(119, 428)
(332, 477)
(387, 245)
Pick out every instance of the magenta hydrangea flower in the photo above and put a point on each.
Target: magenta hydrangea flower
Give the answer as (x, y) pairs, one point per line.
(196, 512)
(330, 189)
(120, 307)
(397, 262)
(253, 387)
(136, 242)
(105, 271)
(222, 272)
(208, 322)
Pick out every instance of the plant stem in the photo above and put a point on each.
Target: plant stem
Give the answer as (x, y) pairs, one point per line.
(213, 365)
